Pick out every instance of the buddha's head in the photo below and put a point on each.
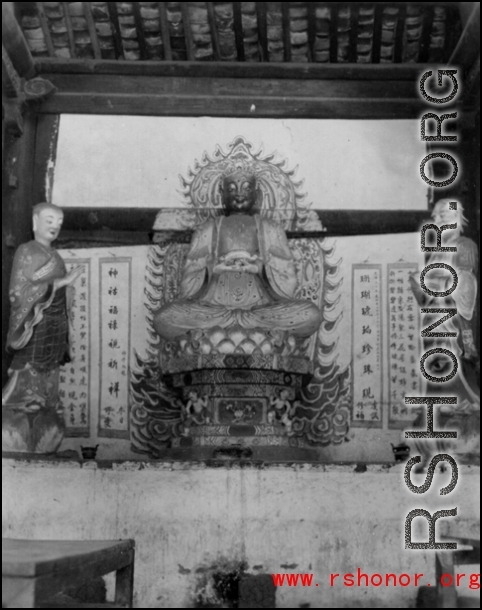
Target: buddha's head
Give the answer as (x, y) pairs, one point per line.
(239, 191)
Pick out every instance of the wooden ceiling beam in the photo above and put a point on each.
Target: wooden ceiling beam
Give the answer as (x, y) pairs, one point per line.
(114, 18)
(262, 15)
(334, 33)
(44, 24)
(87, 6)
(468, 47)
(214, 31)
(285, 10)
(238, 30)
(399, 34)
(80, 222)
(354, 13)
(166, 37)
(222, 69)
(237, 97)
(141, 37)
(377, 33)
(427, 22)
(233, 106)
(186, 18)
(14, 42)
(11, 81)
(70, 29)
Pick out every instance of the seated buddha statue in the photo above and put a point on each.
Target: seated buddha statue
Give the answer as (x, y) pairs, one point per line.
(239, 272)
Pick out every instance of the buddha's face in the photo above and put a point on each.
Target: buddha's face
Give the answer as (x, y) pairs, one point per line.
(239, 193)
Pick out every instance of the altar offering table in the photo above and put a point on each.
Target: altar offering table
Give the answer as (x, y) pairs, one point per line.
(35, 570)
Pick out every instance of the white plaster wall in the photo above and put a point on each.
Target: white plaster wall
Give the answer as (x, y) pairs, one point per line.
(189, 517)
(133, 161)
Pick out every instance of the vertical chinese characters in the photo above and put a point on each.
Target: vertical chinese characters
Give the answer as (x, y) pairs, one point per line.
(115, 311)
(403, 344)
(75, 376)
(367, 367)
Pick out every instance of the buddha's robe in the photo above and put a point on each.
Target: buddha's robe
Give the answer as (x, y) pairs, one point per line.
(239, 271)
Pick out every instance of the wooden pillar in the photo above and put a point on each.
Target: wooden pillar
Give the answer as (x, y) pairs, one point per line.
(14, 42)
(17, 173)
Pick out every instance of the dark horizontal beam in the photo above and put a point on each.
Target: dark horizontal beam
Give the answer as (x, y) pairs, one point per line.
(233, 106)
(298, 71)
(82, 84)
(235, 97)
(98, 224)
(398, 4)
(73, 239)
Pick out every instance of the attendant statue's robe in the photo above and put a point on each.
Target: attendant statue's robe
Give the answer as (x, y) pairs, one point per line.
(38, 338)
(239, 271)
(464, 416)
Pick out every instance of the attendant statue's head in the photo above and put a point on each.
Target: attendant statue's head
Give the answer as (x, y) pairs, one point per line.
(447, 211)
(239, 190)
(47, 222)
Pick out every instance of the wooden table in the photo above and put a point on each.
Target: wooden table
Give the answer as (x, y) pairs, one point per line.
(445, 562)
(35, 570)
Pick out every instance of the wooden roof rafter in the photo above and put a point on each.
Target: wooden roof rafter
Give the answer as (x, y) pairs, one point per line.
(70, 29)
(114, 16)
(141, 37)
(238, 30)
(92, 30)
(187, 31)
(214, 31)
(262, 15)
(300, 38)
(164, 26)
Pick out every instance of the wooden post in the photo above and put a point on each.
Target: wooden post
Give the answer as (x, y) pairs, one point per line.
(14, 42)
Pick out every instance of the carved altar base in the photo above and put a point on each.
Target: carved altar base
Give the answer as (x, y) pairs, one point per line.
(237, 373)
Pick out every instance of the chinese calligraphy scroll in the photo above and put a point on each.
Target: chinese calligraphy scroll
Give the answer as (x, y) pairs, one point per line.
(115, 321)
(404, 343)
(75, 377)
(367, 346)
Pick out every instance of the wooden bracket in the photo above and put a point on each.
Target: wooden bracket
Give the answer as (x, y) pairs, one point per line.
(19, 92)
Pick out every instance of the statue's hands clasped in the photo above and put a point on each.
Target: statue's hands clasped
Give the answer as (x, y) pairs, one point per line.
(238, 261)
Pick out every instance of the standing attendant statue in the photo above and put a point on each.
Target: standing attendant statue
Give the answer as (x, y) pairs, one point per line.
(465, 415)
(32, 414)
